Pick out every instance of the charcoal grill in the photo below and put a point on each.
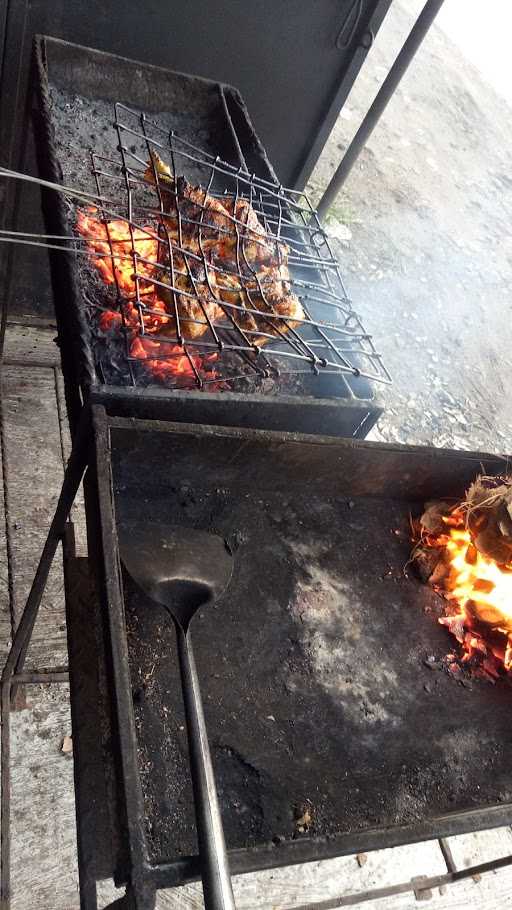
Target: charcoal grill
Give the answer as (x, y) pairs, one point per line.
(347, 727)
(317, 376)
(326, 701)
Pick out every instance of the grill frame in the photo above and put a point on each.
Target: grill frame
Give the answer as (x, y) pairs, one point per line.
(351, 416)
(110, 833)
(409, 472)
(329, 337)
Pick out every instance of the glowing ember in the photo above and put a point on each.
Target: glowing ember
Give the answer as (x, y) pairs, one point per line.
(203, 263)
(110, 245)
(166, 359)
(477, 589)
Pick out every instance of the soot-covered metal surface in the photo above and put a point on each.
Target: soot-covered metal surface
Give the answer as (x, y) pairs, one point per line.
(319, 698)
(76, 89)
(84, 128)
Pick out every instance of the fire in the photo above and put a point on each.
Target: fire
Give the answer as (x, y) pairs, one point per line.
(478, 592)
(482, 583)
(141, 313)
(115, 263)
(166, 359)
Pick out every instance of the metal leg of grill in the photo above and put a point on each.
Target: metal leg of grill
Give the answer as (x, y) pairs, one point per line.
(379, 104)
(13, 675)
(426, 884)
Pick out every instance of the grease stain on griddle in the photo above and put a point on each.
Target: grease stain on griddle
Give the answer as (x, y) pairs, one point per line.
(333, 625)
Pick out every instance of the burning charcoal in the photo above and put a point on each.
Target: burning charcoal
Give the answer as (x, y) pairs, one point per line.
(491, 543)
(425, 561)
(432, 518)
(485, 613)
(489, 506)
(505, 522)
(471, 555)
(484, 585)
(455, 670)
(441, 571)
(489, 669)
(478, 522)
(455, 625)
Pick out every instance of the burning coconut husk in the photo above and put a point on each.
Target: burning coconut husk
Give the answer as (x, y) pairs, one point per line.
(464, 551)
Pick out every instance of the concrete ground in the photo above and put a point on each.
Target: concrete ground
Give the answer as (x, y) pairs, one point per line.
(425, 240)
(423, 230)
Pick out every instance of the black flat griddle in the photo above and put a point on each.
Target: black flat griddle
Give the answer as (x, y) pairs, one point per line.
(318, 688)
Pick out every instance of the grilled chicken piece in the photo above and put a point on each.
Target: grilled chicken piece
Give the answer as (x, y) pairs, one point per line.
(193, 313)
(247, 269)
(196, 306)
(224, 223)
(270, 294)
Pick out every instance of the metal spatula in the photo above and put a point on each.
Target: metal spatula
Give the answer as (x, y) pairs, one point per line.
(183, 570)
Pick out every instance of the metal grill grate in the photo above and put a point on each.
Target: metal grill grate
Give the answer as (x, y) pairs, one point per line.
(216, 302)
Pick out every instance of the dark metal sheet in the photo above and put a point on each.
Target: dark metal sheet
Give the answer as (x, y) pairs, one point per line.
(293, 62)
(352, 417)
(93, 766)
(314, 661)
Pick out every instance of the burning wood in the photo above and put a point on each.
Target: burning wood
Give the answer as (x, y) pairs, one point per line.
(203, 263)
(465, 552)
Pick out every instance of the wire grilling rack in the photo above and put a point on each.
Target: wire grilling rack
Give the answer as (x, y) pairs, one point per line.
(214, 274)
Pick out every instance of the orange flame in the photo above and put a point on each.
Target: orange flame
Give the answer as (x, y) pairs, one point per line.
(166, 359)
(480, 595)
(115, 263)
(111, 246)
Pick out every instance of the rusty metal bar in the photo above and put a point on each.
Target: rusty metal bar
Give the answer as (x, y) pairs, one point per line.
(380, 102)
(12, 674)
(40, 677)
(426, 884)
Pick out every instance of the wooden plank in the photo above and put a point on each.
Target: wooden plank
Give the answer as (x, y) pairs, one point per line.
(31, 344)
(44, 871)
(44, 874)
(34, 472)
(5, 607)
(33, 321)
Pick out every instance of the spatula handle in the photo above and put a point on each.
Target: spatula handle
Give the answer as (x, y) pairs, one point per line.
(218, 894)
